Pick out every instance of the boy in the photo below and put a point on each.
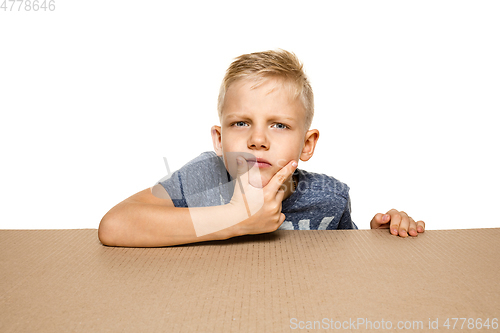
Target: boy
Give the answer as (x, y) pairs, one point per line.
(251, 183)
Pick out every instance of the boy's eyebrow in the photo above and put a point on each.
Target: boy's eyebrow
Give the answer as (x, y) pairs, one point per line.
(272, 117)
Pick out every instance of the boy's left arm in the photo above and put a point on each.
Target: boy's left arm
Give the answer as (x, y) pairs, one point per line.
(399, 222)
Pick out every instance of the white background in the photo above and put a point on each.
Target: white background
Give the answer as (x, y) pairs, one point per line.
(95, 93)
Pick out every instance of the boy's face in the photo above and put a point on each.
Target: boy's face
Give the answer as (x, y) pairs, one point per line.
(264, 122)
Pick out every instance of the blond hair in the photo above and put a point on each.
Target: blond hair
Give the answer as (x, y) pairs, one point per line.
(261, 65)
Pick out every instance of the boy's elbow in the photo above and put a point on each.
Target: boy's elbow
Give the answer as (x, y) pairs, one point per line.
(107, 230)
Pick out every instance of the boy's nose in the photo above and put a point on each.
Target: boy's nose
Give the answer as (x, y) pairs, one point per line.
(258, 140)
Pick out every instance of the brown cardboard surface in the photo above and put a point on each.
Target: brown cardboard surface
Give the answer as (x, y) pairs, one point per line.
(66, 281)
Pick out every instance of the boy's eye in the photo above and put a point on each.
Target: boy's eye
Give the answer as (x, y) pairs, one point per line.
(280, 126)
(239, 124)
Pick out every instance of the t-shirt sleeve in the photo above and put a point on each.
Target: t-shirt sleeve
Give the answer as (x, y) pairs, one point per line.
(173, 186)
(346, 221)
(202, 182)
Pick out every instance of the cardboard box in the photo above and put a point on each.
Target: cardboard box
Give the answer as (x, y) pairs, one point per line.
(350, 280)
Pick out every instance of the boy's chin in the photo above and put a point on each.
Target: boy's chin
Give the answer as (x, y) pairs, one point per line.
(258, 183)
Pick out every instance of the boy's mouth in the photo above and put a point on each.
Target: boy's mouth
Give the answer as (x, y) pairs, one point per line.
(258, 162)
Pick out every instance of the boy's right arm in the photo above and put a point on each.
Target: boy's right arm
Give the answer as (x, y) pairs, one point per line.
(146, 220)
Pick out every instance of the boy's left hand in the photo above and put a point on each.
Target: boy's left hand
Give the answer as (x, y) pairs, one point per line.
(399, 222)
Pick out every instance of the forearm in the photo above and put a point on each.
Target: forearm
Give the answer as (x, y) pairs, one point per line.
(136, 224)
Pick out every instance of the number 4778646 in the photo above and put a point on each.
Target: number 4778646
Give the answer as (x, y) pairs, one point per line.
(29, 5)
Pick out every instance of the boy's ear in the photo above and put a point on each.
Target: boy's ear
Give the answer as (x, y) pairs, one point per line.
(310, 141)
(216, 139)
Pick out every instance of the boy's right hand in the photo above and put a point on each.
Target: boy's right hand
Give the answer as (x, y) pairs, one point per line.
(258, 209)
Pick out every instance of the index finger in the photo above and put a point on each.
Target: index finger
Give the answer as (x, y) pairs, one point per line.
(282, 175)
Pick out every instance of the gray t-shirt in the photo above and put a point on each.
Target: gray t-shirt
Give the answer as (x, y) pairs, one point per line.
(320, 202)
